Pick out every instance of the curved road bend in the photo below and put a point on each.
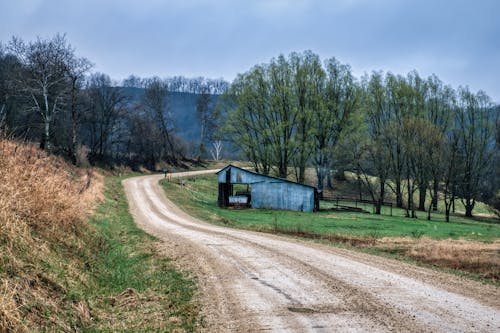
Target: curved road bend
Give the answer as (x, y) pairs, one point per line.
(260, 282)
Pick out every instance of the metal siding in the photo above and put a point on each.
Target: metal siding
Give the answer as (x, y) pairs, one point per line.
(272, 193)
(241, 177)
(287, 196)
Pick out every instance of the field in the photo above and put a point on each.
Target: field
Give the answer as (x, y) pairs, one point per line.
(465, 245)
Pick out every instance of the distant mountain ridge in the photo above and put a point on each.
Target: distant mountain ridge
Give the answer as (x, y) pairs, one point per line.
(182, 106)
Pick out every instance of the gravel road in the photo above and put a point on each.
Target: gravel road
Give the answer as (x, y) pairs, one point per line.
(253, 282)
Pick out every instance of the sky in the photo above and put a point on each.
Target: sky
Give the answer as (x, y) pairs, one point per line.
(457, 40)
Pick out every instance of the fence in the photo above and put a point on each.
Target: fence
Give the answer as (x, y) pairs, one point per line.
(346, 202)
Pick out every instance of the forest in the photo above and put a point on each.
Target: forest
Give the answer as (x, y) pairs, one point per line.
(49, 95)
(398, 134)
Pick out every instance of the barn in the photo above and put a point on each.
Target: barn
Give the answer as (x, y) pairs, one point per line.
(264, 191)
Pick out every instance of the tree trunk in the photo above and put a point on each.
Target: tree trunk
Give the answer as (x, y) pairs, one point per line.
(469, 206)
(422, 193)
(302, 174)
(409, 203)
(380, 202)
(282, 171)
(329, 182)
(435, 188)
(321, 179)
(399, 195)
(47, 144)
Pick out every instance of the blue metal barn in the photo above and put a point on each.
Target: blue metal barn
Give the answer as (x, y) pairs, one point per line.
(264, 191)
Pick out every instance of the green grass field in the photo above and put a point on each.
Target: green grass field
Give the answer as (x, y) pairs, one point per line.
(198, 196)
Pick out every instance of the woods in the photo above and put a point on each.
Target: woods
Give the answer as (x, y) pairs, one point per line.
(400, 135)
(50, 95)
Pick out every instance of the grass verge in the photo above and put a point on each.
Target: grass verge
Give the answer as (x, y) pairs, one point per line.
(135, 288)
(465, 246)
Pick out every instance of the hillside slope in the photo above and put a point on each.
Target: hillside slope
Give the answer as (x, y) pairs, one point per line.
(43, 237)
(71, 258)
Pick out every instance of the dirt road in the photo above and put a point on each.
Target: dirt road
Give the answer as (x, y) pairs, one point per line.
(258, 282)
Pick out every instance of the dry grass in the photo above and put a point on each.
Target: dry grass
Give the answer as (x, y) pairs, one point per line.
(480, 258)
(44, 204)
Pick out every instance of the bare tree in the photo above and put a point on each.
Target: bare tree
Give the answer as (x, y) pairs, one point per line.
(44, 79)
(106, 105)
(156, 102)
(216, 151)
(207, 115)
(76, 71)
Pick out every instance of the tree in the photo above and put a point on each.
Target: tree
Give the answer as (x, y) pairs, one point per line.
(424, 144)
(376, 157)
(44, 79)
(247, 123)
(208, 116)
(332, 115)
(8, 68)
(308, 85)
(106, 106)
(475, 125)
(450, 170)
(216, 151)
(76, 71)
(156, 102)
(282, 117)
(439, 111)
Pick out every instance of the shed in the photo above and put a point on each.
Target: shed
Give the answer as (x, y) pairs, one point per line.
(264, 191)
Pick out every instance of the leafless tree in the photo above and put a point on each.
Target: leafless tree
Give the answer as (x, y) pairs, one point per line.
(76, 71)
(216, 151)
(44, 79)
(106, 105)
(156, 102)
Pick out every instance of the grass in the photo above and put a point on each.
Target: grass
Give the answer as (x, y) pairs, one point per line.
(469, 245)
(135, 288)
(60, 273)
(200, 196)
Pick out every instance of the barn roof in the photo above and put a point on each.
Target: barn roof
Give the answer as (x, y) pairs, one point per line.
(282, 180)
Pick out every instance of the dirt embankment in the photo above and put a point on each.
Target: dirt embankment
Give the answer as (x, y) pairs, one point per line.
(251, 281)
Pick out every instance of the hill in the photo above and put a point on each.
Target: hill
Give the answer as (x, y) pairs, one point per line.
(71, 257)
(182, 106)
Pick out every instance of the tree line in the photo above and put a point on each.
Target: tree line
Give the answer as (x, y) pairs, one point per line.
(50, 95)
(397, 134)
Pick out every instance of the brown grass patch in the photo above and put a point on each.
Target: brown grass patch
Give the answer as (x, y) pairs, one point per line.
(44, 204)
(479, 258)
(475, 257)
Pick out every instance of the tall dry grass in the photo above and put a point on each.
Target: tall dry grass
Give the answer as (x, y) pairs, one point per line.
(480, 258)
(44, 204)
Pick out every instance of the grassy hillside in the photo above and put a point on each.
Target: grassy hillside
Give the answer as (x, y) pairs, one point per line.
(60, 273)
(467, 245)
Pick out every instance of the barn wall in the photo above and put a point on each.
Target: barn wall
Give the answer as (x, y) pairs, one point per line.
(282, 195)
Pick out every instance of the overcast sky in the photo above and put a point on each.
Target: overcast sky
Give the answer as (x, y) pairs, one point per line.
(457, 40)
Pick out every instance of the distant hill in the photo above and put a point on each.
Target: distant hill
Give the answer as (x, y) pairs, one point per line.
(182, 106)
